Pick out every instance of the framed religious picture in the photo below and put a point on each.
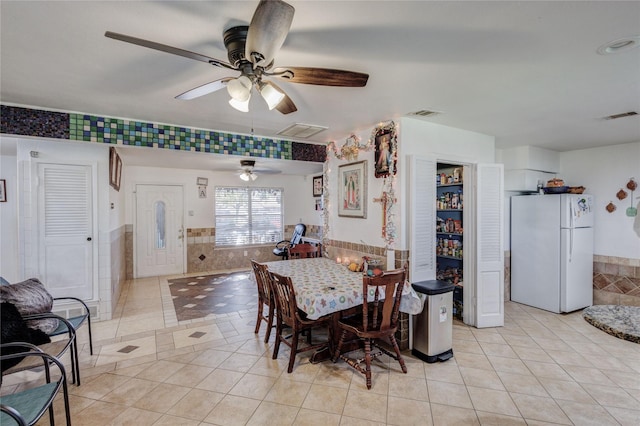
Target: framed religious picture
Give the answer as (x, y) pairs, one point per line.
(3, 191)
(385, 147)
(352, 190)
(115, 169)
(317, 186)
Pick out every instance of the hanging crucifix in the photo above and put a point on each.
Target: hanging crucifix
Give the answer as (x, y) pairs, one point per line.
(386, 199)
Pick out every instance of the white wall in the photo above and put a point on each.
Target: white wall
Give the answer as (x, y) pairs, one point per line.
(9, 211)
(439, 143)
(604, 171)
(299, 203)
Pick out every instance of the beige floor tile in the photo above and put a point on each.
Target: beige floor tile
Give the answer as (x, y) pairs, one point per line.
(232, 410)
(239, 362)
(625, 416)
(414, 387)
(464, 359)
(336, 375)
(540, 409)
(130, 392)
(611, 396)
(492, 401)
(519, 383)
(449, 394)
(288, 392)
(189, 375)
(270, 413)
(135, 416)
(509, 365)
(159, 371)
(588, 414)
(445, 415)
(307, 417)
(565, 390)
(498, 349)
(253, 386)
(97, 414)
(99, 386)
(588, 375)
(265, 366)
(220, 380)
(366, 405)
(210, 358)
(499, 419)
(402, 411)
(548, 370)
(196, 404)
(481, 378)
(532, 354)
(162, 398)
(167, 420)
(444, 372)
(325, 398)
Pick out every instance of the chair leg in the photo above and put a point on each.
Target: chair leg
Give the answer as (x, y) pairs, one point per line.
(276, 346)
(269, 324)
(294, 350)
(336, 354)
(259, 319)
(77, 361)
(90, 336)
(396, 348)
(367, 360)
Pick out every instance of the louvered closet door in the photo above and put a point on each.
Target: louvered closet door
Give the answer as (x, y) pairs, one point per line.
(66, 229)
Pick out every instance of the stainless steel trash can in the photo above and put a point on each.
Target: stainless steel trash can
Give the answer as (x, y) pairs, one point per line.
(433, 327)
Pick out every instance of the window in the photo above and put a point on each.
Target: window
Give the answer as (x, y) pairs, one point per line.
(248, 216)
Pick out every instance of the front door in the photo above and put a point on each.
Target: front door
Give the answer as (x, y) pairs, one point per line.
(66, 229)
(159, 230)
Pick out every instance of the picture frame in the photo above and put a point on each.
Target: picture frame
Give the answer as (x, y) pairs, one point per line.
(3, 191)
(317, 186)
(352, 190)
(203, 181)
(115, 169)
(385, 149)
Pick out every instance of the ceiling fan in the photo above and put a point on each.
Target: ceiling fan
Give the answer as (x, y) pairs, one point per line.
(249, 172)
(251, 51)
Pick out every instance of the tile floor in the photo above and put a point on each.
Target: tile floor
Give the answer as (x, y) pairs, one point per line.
(539, 369)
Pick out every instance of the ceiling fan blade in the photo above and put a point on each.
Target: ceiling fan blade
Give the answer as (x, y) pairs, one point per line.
(321, 76)
(205, 89)
(168, 49)
(269, 27)
(286, 105)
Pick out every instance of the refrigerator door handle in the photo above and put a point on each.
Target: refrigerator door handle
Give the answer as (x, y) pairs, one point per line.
(571, 213)
(570, 244)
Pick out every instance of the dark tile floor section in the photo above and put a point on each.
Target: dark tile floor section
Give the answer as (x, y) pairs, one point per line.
(197, 297)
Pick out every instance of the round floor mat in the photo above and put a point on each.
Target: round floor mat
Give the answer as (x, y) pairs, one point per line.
(620, 321)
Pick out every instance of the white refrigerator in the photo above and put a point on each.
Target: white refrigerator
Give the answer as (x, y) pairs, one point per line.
(552, 251)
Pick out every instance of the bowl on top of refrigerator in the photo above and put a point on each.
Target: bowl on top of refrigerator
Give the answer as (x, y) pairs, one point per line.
(556, 189)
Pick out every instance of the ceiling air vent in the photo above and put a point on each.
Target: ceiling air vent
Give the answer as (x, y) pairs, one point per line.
(299, 130)
(424, 113)
(624, 114)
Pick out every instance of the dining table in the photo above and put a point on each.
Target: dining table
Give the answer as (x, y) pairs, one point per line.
(325, 287)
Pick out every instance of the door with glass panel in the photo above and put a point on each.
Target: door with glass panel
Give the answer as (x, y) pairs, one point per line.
(159, 231)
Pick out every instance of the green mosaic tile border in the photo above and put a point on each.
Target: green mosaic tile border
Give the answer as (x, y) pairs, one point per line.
(92, 128)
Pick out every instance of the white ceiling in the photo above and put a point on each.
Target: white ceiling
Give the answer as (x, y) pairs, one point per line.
(525, 72)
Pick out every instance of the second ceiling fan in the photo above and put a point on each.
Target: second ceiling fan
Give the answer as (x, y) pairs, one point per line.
(251, 51)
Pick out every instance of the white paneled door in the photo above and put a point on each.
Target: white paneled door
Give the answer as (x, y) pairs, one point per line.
(66, 229)
(159, 234)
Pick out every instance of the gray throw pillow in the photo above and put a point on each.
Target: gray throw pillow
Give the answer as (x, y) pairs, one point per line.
(30, 297)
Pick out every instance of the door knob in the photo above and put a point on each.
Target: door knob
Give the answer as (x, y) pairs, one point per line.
(88, 238)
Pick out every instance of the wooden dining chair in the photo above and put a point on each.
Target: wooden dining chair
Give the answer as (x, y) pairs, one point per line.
(287, 313)
(265, 297)
(303, 251)
(379, 319)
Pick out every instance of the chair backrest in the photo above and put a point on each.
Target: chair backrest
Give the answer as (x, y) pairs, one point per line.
(261, 272)
(298, 233)
(301, 251)
(285, 297)
(382, 315)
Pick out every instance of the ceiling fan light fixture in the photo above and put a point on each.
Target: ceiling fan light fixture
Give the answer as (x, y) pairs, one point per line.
(247, 176)
(239, 105)
(240, 88)
(271, 95)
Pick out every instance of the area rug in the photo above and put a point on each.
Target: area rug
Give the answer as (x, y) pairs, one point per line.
(619, 321)
(199, 296)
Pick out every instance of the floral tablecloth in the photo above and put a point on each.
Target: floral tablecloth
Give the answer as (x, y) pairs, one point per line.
(323, 286)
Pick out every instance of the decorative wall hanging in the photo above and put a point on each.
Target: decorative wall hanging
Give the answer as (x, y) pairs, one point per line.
(3, 191)
(115, 169)
(349, 151)
(632, 211)
(352, 190)
(622, 194)
(611, 207)
(385, 140)
(317, 186)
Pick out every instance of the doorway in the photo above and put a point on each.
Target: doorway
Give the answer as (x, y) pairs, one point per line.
(159, 230)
